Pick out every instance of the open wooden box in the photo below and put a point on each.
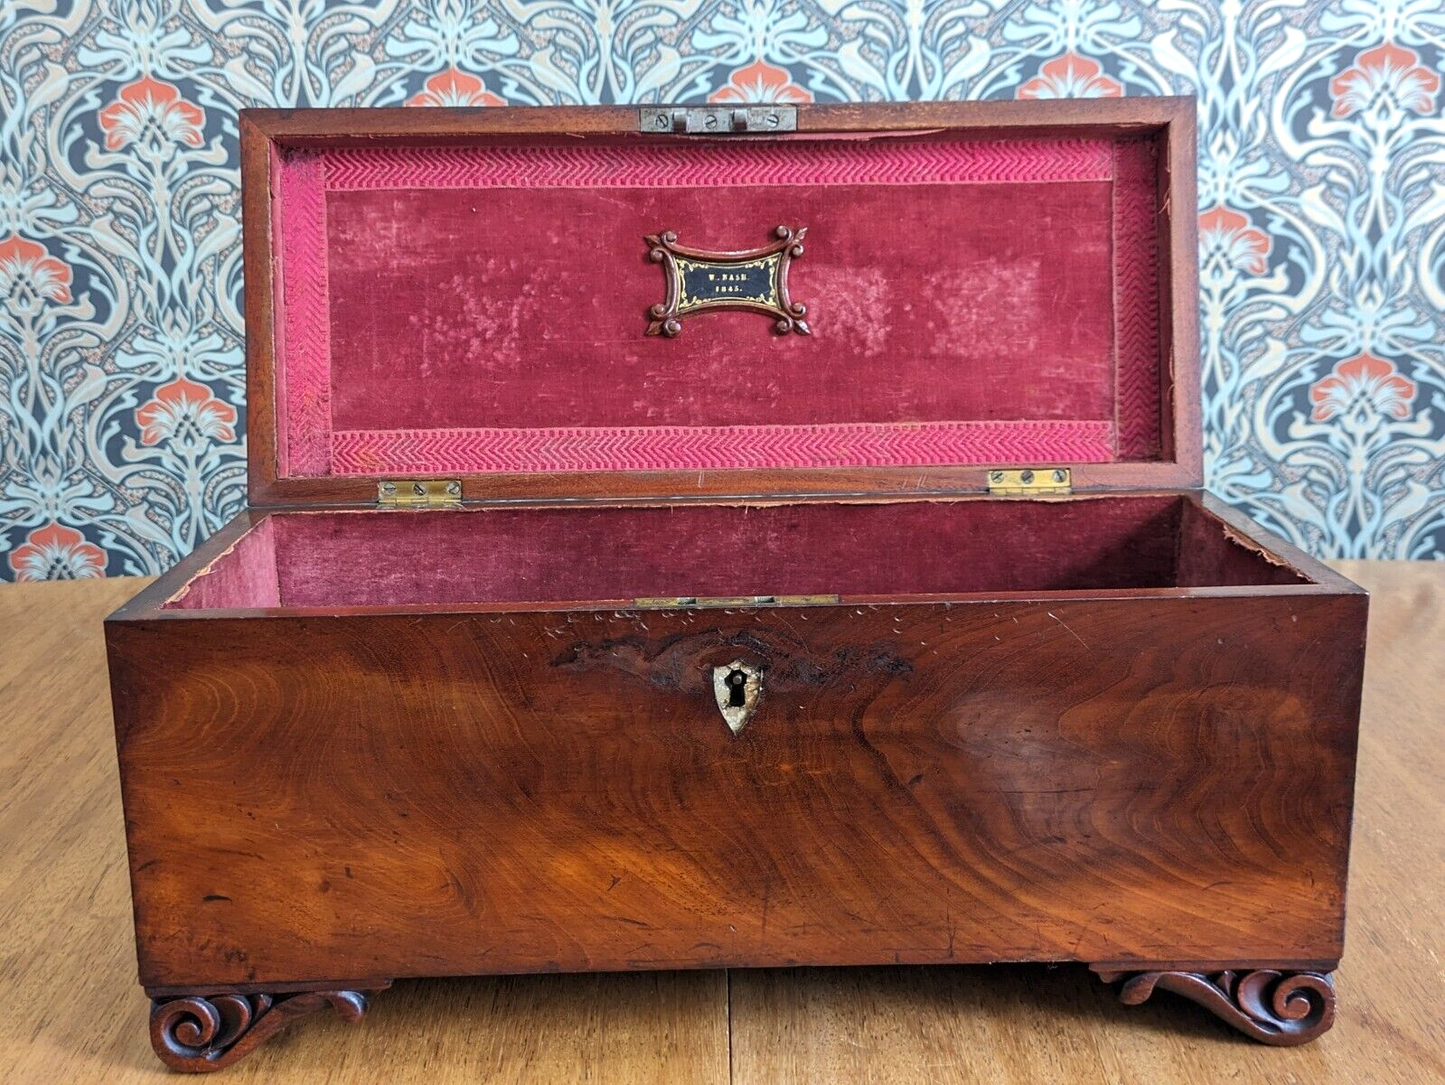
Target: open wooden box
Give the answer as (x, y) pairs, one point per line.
(868, 610)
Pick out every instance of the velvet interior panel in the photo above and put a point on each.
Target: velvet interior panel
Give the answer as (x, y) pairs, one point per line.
(558, 555)
(1211, 552)
(482, 309)
(551, 555)
(1011, 320)
(576, 554)
(245, 575)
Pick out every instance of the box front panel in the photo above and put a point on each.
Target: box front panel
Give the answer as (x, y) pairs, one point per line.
(385, 796)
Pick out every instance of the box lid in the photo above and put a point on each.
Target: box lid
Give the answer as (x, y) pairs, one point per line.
(609, 302)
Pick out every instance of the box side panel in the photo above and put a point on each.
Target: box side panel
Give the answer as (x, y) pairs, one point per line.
(1141, 780)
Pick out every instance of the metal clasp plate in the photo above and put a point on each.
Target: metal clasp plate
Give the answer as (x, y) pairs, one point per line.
(726, 602)
(717, 120)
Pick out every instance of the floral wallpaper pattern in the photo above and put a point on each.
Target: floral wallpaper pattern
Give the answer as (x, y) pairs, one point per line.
(1322, 217)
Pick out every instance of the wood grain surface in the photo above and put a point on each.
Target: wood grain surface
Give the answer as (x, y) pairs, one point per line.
(362, 798)
(71, 1011)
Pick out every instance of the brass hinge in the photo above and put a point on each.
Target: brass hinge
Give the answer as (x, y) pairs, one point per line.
(431, 493)
(712, 602)
(717, 120)
(1030, 482)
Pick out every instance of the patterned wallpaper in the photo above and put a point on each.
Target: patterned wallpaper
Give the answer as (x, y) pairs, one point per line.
(1322, 190)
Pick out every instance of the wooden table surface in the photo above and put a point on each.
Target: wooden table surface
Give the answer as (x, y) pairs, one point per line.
(71, 1011)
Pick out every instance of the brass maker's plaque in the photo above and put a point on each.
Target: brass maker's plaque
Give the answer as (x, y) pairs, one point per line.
(755, 280)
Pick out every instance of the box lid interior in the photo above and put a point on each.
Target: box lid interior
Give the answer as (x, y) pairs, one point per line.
(478, 306)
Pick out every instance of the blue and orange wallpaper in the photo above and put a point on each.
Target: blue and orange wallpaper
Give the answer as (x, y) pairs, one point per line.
(1322, 216)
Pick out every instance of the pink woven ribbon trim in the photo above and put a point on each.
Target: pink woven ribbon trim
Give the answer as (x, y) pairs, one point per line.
(662, 448)
(794, 162)
(305, 360)
(1136, 301)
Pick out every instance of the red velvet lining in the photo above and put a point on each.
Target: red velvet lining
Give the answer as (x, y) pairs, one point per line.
(245, 575)
(576, 554)
(482, 308)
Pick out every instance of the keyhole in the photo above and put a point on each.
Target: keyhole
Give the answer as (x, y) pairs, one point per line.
(737, 689)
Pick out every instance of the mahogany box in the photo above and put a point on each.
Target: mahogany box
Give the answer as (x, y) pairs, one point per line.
(726, 537)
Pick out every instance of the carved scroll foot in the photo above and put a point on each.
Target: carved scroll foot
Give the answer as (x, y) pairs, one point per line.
(1279, 1008)
(198, 1034)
